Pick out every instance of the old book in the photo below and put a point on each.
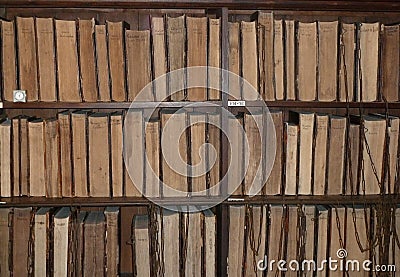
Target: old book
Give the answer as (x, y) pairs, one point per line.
(21, 231)
(248, 53)
(236, 239)
(176, 40)
(197, 153)
(255, 238)
(322, 236)
(117, 166)
(42, 242)
(27, 60)
(234, 61)
(373, 146)
(327, 60)
(159, 56)
(336, 155)
(87, 59)
(37, 160)
(347, 64)
(102, 65)
(292, 137)
(99, 145)
(275, 242)
(307, 225)
(307, 61)
(152, 181)
(352, 159)
(5, 159)
(265, 22)
(390, 62)
(320, 153)
(292, 219)
(24, 155)
(214, 140)
(134, 152)
(305, 121)
(209, 241)
(290, 66)
(214, 58)
(116, 60)
(338, 231)
(196, 31)
(80, 240)
(64, 121)
(138, 64)
(52, 158)
(94, 248)
(279, 65)
(16, 156)
(67, 61)
(5, 242)
(253, 126)
(79, 128)
(46, 57)
(368, 59)
(236, 155)
(8, 60)
(273, 185)
(112, 245)
(171, 251)
(358, 218)
(193, 225)
(175, 155)
(141, 245)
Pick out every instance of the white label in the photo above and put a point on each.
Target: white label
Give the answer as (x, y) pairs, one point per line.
(1, 105)
(240, 103)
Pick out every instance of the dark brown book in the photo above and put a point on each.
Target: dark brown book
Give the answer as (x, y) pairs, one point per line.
(79, 129)
(21, 232)
(5, 159)
(67, 61)
(87, 59)
(134, 153)
(117, 169)
(37, 160)
(196, 30)
(27, 59)
(64, 121)
(94, 248)
(307, 61)
(390, 62)
(273, 185)
(176, 39)
(98, 152)
(102, 66)
(265, 30)
(327, 60)
(138, 65)
(249, 60)
(115, 35)
(234, 61)
(46, 59)
(152, 162)
(5, 242)
(141, 245)
(52, 158)
(112, 245)
(159, 54)
(214, 58)
(8, 60)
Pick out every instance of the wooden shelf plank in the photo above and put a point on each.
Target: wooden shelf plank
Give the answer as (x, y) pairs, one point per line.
(237, 200)
(315, 5)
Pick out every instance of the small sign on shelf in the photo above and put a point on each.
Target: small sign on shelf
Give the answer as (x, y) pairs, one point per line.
(237, 103)
(19, 95)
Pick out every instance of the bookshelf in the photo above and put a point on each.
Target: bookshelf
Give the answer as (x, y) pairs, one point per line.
(388, 11)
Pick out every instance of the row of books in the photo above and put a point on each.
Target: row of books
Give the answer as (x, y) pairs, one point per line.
(68, 242)
(73, 61)
(81, 154)
(318, 235)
